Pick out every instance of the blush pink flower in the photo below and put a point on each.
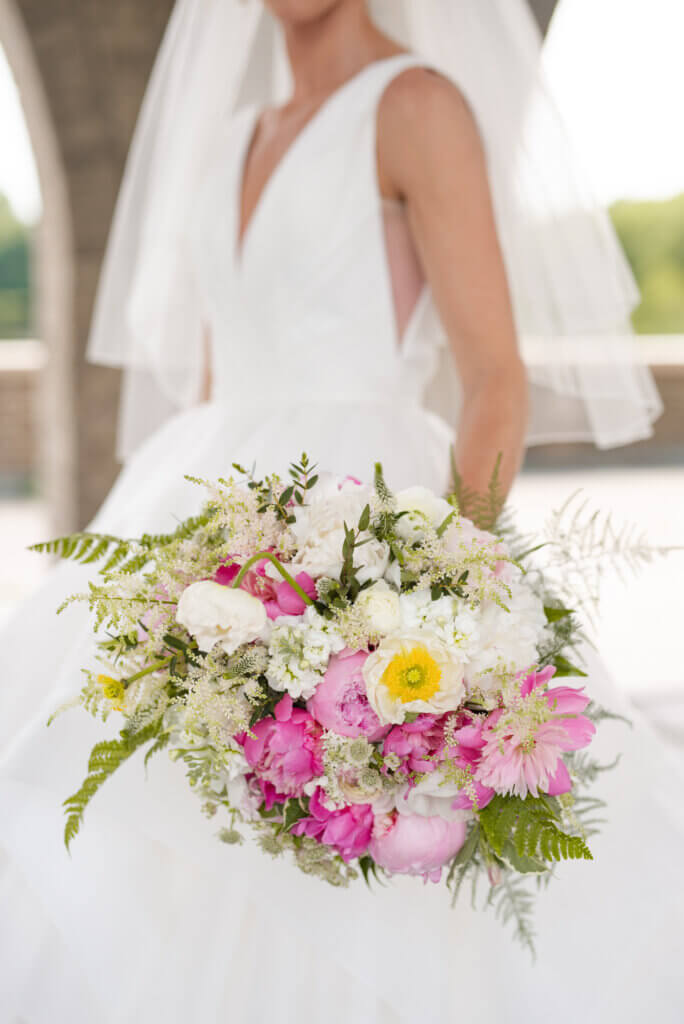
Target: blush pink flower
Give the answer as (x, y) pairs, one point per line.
(407, 844)
(417, 744)
(340, 702)
(285, 751)
(524, 743)
(348, 830)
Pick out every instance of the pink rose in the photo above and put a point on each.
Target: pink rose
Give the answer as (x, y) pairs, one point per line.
(348, 830)
(340, 702)
(408, 844)
(285, 750)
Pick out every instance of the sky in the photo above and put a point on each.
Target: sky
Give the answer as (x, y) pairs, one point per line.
(615, 67)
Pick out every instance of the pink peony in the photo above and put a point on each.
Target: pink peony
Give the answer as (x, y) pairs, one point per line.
(285, 750)
(279, 598)
(347, 830)
(286, 601)
(340, 702)
(524, 744)
(407, 844)
(417, 744)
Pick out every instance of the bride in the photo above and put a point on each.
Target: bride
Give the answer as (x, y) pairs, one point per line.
(340, 225)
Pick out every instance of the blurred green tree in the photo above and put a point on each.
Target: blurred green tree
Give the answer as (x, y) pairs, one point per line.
(652, 234)
(15, 274)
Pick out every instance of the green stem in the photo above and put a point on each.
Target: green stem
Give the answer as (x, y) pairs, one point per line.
(148, 671)
(259, 557)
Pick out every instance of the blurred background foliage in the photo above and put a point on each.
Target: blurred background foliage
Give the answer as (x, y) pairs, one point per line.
(652, 233)
(15, 274)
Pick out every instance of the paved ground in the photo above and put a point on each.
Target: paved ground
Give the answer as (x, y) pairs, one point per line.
(640, 634)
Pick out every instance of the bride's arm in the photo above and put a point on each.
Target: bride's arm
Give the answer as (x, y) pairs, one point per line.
(205, 392)
(430, 155)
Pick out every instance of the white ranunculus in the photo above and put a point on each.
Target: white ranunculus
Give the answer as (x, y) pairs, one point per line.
(413, 671)
(380, 606)
(430, 798)
(215, 614)
(423, 508)
(507, 640)
(319, 531)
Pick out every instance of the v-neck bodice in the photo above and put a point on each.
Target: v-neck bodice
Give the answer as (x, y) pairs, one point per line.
(307, 304)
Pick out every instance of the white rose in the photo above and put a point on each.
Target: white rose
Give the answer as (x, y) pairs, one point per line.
(413, 672)
(380, 606)
(423, 507)
(431, 798)
(214, 614)
(319, 531)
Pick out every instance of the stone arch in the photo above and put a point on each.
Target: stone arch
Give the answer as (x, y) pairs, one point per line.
(55, 272)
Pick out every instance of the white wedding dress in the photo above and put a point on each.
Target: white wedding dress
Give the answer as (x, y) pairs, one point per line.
(320, 345)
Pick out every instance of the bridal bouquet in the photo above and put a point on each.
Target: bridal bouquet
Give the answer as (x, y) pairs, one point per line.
(365, 681)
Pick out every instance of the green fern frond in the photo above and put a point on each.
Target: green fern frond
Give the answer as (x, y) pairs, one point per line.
(513, 903)
(85, 547)
(104, 759)
(532, 826)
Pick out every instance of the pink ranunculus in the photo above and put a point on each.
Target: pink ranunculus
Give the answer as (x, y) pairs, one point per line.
(417, 744)
(285, 750)
(348, 830)
(408, 844)
(524, 744)
(340, 702)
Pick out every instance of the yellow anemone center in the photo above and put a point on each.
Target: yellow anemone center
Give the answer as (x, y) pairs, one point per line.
(412, 675)
(113, 689)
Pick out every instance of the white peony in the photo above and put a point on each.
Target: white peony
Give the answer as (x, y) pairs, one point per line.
(380, 606)
(215, 614)
(430, 798)
(413, 671)
(319, 531)
(423, 508)
(508, 640)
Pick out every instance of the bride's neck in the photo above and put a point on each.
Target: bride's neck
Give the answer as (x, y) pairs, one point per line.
(326, 51)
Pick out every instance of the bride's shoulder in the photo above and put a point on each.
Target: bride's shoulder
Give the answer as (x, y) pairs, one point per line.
(422, 98)
(424, 117)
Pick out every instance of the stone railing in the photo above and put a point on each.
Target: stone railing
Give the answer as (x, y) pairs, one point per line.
(21, 363)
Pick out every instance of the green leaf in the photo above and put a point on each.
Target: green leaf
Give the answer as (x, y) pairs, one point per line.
(556, 614)
(566, 668)
(364, 521)
(294, 812)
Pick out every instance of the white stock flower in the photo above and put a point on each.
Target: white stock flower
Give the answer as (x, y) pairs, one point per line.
(430, 798)
(319, 531)
(413, 671)
(299, 652)
(423, 508)
(508, 640)
(380, 607)
(215, 614)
